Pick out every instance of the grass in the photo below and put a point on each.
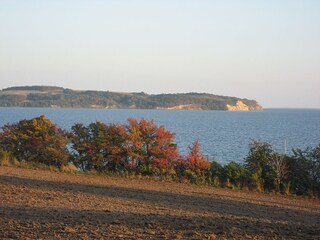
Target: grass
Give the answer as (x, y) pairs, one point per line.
(7, 160)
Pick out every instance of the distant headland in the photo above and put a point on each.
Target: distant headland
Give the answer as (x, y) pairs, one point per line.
(58, 97)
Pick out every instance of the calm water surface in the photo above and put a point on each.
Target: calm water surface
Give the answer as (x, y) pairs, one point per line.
(224, 136)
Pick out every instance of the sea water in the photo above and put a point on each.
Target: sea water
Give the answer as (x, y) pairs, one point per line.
(224, 136)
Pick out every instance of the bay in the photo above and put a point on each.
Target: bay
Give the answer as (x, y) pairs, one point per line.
(224, 136)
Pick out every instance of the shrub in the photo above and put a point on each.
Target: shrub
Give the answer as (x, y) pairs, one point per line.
(215, 173)
(235, 175)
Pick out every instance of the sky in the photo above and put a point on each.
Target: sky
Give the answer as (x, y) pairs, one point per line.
(267, 50)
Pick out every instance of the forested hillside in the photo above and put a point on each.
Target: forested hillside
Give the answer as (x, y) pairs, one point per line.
(49, 96)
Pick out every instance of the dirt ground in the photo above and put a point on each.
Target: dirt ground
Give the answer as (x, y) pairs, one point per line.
(37, 204)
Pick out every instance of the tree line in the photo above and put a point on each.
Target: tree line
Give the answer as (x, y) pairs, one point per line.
(143, 148)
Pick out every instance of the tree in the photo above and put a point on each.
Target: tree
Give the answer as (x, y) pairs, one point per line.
(195, 159)
(304, 171)
(257, 163)
(99, 146)
(37, 140)
(117, 147)
(278, 164)
(89, 145)
(150, 147)
(137, 146)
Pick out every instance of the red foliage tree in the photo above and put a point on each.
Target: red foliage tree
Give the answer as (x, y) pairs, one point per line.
(99, 146)
(151, 145)
(195, 159)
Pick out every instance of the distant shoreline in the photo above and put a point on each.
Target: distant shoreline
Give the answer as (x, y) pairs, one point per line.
(58, 97)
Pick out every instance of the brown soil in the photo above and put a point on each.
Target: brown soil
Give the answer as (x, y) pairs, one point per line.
(37, 204)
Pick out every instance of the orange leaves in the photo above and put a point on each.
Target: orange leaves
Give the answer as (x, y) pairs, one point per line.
(196, 161)
(119, 146)
(140, 146)
(98, 146)
(150, 144)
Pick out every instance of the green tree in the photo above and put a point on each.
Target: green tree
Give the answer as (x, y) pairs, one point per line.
(304, 171)
(258, 165)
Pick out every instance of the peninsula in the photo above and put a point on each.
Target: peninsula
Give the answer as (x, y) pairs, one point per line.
(58, 97)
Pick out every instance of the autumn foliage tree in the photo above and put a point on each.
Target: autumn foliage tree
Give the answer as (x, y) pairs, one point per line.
(99, 146)
(142, 147)
(151, 148)
(37, 140)
(138, 146)
(195, 159)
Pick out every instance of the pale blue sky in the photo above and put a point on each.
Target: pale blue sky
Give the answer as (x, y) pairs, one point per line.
(268, 50)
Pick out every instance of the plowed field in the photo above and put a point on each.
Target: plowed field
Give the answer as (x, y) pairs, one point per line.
(38, 204)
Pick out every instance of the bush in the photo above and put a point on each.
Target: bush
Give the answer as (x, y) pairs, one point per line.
(235, 175)
(215, 172)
